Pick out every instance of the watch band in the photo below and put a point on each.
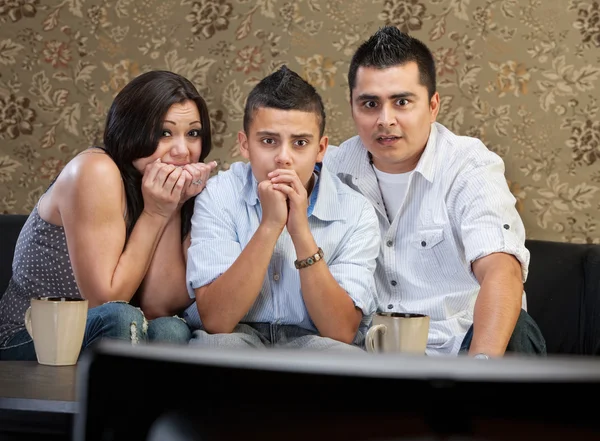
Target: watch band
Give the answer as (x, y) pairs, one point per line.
(309, 260)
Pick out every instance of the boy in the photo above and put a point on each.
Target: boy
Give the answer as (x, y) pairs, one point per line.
(282, 253)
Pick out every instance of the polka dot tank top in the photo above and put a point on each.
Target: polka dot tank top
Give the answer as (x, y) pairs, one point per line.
(41, 268)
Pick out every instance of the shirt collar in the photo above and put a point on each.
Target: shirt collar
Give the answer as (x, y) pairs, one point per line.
(355, 160)
(326, 205)
(426, 164)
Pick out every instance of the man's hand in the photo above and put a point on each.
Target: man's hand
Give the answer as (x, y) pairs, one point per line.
(274, 206)
(288, 183)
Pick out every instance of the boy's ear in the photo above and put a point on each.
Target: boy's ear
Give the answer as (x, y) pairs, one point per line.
(323, 143)
(243, 142)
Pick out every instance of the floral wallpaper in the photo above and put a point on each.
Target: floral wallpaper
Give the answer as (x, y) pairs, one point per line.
(523, 76)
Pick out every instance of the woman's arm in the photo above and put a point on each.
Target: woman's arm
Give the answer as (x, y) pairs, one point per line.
(90, 197)
(163, 291)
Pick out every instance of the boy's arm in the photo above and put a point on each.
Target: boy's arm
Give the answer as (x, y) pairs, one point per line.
(224, 302)
(328, 304)
(331, 308)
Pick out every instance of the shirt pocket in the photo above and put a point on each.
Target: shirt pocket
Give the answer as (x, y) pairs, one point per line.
(435, 254)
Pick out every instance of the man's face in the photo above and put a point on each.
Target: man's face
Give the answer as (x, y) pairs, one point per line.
(393, 114)
(283, 139)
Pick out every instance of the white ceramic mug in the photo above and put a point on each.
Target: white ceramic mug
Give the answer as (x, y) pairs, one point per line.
(57, 327)
(398, 332)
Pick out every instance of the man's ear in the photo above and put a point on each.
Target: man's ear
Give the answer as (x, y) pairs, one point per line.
(434, 106)
(243, 142)
(323, 143)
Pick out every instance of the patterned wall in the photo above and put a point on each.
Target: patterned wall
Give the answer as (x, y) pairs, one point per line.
(521, 75)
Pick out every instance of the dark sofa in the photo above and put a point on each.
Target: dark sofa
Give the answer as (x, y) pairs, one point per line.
(563, 288)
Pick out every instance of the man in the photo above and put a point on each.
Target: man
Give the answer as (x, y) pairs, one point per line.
(282, 253)
(452, 241)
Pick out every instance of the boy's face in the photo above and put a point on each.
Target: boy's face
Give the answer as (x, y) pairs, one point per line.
(283, 139)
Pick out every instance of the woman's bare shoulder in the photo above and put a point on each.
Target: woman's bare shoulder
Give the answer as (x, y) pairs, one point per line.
(91, 166)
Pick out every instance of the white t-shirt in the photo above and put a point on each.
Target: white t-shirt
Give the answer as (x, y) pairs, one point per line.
(393, 188)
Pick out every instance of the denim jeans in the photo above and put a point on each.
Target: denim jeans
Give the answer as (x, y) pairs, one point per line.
(114, 320)
(268, 335)
(525, 339)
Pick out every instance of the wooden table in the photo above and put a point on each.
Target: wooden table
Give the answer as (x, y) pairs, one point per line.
(28, 385)
(37, 400)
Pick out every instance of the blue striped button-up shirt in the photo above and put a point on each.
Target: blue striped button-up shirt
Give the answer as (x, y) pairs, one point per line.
(226, 216)
(457, 209)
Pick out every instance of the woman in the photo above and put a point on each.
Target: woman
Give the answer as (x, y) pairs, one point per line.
(114, 225)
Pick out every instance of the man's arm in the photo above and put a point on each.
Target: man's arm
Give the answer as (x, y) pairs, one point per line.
(498, 304)
(493, 237)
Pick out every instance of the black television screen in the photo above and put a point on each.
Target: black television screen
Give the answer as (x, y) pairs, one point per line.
(152, 392)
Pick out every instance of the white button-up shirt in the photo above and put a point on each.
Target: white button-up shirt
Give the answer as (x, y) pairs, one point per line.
(343, 223)
(458, 208)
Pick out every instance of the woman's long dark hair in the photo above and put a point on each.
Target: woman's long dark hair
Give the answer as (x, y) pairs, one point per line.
(134, 126)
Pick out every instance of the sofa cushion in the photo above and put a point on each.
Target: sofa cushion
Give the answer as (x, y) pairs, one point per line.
(10, 226)
(563, 295)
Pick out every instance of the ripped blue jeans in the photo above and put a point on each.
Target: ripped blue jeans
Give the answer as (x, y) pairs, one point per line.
(114, 320)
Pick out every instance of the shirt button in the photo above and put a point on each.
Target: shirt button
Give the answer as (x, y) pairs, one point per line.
(276, 277)
(394, 283)
(423, 243)
(506, 227)
(389, 243)
(390, 306)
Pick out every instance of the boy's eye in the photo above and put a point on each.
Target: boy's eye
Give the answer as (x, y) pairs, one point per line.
(402, 102)
(370, 104)
(301, 142)
(269, 141)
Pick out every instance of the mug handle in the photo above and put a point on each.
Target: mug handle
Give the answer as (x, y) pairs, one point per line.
(370, 339)
(28, 321)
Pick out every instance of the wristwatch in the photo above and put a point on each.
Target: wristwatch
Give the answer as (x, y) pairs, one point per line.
(482, 356)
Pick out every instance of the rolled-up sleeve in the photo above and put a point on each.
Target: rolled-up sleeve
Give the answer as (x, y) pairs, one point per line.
(354, 265)
(487, 215)
(214, 245)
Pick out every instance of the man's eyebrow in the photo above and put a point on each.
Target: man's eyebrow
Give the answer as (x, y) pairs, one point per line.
(403, 95)
(395, 96)
(366, 96)
(174, 123)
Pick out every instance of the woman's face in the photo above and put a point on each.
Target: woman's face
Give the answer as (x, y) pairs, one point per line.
(181, 139)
